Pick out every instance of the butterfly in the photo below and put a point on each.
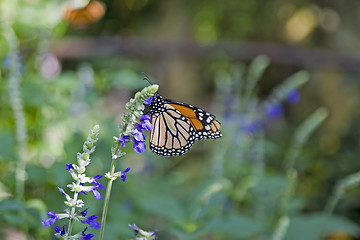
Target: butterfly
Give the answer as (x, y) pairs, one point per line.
(177, 125)
(83, 15)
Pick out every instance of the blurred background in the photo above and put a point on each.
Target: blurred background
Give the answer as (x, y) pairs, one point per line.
(281, 76)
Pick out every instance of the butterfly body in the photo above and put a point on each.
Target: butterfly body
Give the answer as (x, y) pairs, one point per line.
(177, 125)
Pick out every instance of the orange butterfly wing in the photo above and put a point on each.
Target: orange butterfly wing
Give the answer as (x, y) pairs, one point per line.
(203, 122)
(176, 126)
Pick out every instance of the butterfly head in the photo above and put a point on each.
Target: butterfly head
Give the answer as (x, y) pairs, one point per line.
(157, 103)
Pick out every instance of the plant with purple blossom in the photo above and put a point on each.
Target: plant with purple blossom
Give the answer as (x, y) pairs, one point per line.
(131, 129)
(246, 115)
(141, 234)
(247, 118)
(81, 184)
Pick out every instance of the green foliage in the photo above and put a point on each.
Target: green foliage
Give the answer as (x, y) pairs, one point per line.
(302, 135)
(265, 179)
(314, 225)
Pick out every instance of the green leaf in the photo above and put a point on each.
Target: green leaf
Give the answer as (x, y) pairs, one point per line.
(11, 205)
(236, 226)
(36, 174)
(162, 205)
(189, 236)
(315, 225)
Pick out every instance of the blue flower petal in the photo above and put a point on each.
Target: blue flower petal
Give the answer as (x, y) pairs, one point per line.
(92, 222)
(51, 220)
(123, 139)
(97, 195)
(293, 97)
(62, 191)
(138, 127)
(148, 101)
(138, 136)
(146, 125)
(48, 222)
(82, 192)
(86, 236)
(139, 147)
(135, 228)
(68, 167)
(57, 229)
(273, 110)
(97, 177)
(84, 212)
(145, 117)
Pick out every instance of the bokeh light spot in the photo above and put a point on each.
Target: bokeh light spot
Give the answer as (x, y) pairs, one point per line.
(329, 19)
(205, 26)
(50, 66)
(300, 25)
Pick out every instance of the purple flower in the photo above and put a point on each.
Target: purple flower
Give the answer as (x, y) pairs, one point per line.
(139, 147)
(123, 139)
(148, 101)
(273, 111)
(96, 185)
(97, 177)
(138, 136)
(82, 190)
(145, 117)
(96, 193)
(84, 212)
(123, 174)
(138, 127)
(135, 228)
(68, 167)
(93, 188)
(86, 236)
(139, 140)
(145, 123)
(62, 191)
(58, 230)
(252, 127)
(153, 233)
(92, 222)
(293, 97)
(51, 220)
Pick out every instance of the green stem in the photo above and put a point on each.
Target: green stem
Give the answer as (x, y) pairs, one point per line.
(135, 107)
(72, 214)
(107, 195)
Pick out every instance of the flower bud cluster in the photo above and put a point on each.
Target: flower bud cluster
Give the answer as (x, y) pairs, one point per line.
(130, 129)
(81, 184)
(141, 234)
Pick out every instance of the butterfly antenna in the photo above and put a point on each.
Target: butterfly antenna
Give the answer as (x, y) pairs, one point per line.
(146, 78)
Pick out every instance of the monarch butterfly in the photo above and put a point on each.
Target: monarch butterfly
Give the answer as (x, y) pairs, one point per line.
(177, 125)
(83, 15)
